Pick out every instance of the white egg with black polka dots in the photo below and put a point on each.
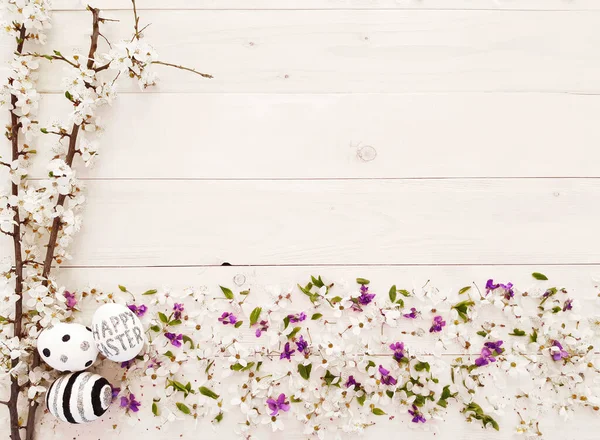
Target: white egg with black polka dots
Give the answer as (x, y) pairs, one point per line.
(67, 347)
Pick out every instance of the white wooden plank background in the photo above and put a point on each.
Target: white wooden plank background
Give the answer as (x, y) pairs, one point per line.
(398, 140)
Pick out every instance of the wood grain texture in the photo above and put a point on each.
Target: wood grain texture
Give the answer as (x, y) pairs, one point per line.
(340, 136)
(341, 51)
(521, 5)
(516, 221)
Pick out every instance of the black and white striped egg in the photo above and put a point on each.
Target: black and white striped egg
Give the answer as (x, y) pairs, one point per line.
(79, 397)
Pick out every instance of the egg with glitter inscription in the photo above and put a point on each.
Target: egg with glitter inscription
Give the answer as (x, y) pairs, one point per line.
(79, 397)
(118, 332)
(67, 347)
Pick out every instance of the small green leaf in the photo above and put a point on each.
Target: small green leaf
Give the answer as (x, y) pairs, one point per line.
(219, 417)
(208, 393)
(122, 288)
(245, 292)
(43, 130)
(238, 324)
(255, 315)
(155, 328)
(420, 366)
(362, 281)
(331, 380)
(316, 316)
(227, 292)
(183, 408)
(464, 289)
(175, 322)
(150, 292)
(163, 318)
(294, 332)
(404, 293)
(317, 281)
(286, 322)
(539, 276)
(517, 332)
(189, 340)
(369, 365)
(393, 293)
(361, 399)
(533, 336)
(155, 409)
(482, 333)
(378, 412)
(68, 96)
(305, 370)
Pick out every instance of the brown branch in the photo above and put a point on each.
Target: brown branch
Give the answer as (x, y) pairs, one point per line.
(56, 223)
(136, 23)
(189, 69)
(16, 235)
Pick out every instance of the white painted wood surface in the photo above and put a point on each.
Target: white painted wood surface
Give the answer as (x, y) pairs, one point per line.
(398, 140)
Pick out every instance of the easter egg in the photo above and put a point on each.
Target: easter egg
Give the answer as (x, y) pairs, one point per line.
(79, 397)
(67, 347)
(118, 332)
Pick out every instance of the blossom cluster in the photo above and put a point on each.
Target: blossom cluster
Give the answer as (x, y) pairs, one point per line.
(318, 355)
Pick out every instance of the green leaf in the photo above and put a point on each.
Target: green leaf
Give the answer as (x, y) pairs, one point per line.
(208, 393)
(539, 276)
(155, 409)
(533, 336)
(245, 292)
(188, 339)
(393, 293)
(378, 412)
(369, 365)
(286, 322)
(163, 318)
(420, 366)
(361, 399)
(227, 292)
(210, 364)
(482, 333)
(219, 417)
(404, 293)
(175, 322)
(43, 130)
(294, 332)
(150, 292)
(464, 289)
(317, 281)
(255, 315)
(316, 316)
(517, 332)
(68, 96)
(336, 299)
(238, 324)
(183, 408)
(389, 393)
(122, 288)
(362, 281)
(305, 370)
(331, 380)
(240, 367)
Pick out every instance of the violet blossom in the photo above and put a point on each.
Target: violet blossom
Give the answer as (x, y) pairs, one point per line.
(302, 345)
(127, 364)
(138, 310)
(417, 416)
(115, 392)
(263, 326)
(175, 339)
(177, 309)
(412, 315)
(489, 350)
(398, 348)
(351, 382)
(365, 297)
(438, 324)
(71, 300)
(129, 403)
(297, 318)
(558, 352)
(278, 405)
(568, 305)
(287, 352)
(508, 288)
(386, 379)
(227, 318)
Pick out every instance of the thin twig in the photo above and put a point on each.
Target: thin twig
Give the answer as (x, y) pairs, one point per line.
(189, 69)
(136, 23)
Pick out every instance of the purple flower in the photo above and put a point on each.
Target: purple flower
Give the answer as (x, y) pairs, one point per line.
(71, 300)
(365, 297)
(495, 346)
(127, 364)
(228, 318)
(416, 415)
(278, 405)
(386, 379)
(438, 324)
(139, 311)
(302, 345)
(263, 326)
(412, 315)
(175, 339)
(558, 352)
(129, 403)
(287, 352)
(351, 382)
(508, 288)
(568, 305)
(297, 318)
(178, 309)
(398, 348)
(115, 392)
